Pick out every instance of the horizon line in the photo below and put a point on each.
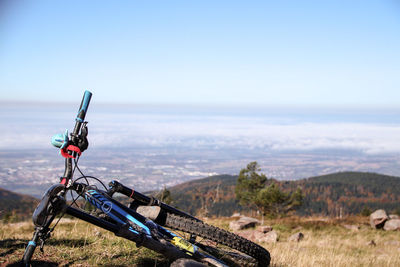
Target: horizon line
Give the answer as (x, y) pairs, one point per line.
(339, 108)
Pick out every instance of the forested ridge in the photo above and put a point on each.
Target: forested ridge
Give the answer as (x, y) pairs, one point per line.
(332, 194)
(348, 191)
(16, 207)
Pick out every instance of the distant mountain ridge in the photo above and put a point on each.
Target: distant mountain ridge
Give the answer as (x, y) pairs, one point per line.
(16, 207)
(349, 191)
(332, 194)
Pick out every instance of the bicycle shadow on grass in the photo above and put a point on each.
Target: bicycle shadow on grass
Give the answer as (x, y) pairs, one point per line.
(12, 245)
(141, 262)
(34, 264)
(144, 262)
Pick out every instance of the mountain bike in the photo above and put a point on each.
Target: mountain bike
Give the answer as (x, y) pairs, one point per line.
(146, 220)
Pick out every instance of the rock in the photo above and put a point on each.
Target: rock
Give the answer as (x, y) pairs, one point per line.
(151, 212)
(296, 237)
(371, 243)
(236, 215)
(250, 234)
(394, 216)
(378, 218)
(257, 236)
(264, 229)
(270, 237)
(234, 225)
(243, 223)
(186, 263)
(392, 225)
(351, 227)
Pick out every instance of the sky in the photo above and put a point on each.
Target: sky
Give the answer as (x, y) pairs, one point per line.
(263, 53)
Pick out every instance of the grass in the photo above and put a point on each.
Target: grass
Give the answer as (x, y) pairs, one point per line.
(326, 243)
(336, 247)
(75, 243)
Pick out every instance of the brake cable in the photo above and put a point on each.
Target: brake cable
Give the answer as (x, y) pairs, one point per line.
(73, 201)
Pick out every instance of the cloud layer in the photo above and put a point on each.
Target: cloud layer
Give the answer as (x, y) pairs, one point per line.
(25, 130)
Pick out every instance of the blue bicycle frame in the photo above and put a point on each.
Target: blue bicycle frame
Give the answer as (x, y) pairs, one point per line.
(136, 223)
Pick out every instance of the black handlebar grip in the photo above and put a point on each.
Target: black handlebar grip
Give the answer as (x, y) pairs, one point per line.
(84, 106)
(82, 112)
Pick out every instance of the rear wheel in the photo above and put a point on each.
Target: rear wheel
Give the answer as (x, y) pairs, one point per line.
(210, 239)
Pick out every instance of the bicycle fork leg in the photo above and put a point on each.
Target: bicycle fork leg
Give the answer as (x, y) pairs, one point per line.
(30, 248)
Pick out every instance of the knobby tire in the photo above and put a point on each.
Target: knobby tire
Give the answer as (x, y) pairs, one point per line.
(220, 236)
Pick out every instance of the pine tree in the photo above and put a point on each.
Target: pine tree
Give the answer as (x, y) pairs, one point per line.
(253, 192)
(249, 183)
(271, 200)
(164, 195)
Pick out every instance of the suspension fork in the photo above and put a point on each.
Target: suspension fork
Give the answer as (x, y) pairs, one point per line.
(116, 186)
(42, 224)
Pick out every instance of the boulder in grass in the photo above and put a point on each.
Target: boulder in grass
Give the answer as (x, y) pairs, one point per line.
(378, 218)
(392, 225)
(270, 237)
(243, 223)
(151, 212)
(394, 216)
(251, 235)
(296, 237)
(259, 237)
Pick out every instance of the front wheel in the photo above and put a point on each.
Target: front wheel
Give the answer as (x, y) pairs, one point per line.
(222, 237)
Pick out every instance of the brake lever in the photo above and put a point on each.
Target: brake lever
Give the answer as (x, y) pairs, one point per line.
(42, 245)
(82, 141)
(43, 236)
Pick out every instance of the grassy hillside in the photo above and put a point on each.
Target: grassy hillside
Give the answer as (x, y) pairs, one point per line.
(326, 243)
(74, 243)
(346, 192)
(16, 207)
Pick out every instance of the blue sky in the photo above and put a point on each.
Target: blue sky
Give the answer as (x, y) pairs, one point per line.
(265, 53)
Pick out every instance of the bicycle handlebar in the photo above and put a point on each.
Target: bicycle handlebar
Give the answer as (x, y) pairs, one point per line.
(80, 118)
